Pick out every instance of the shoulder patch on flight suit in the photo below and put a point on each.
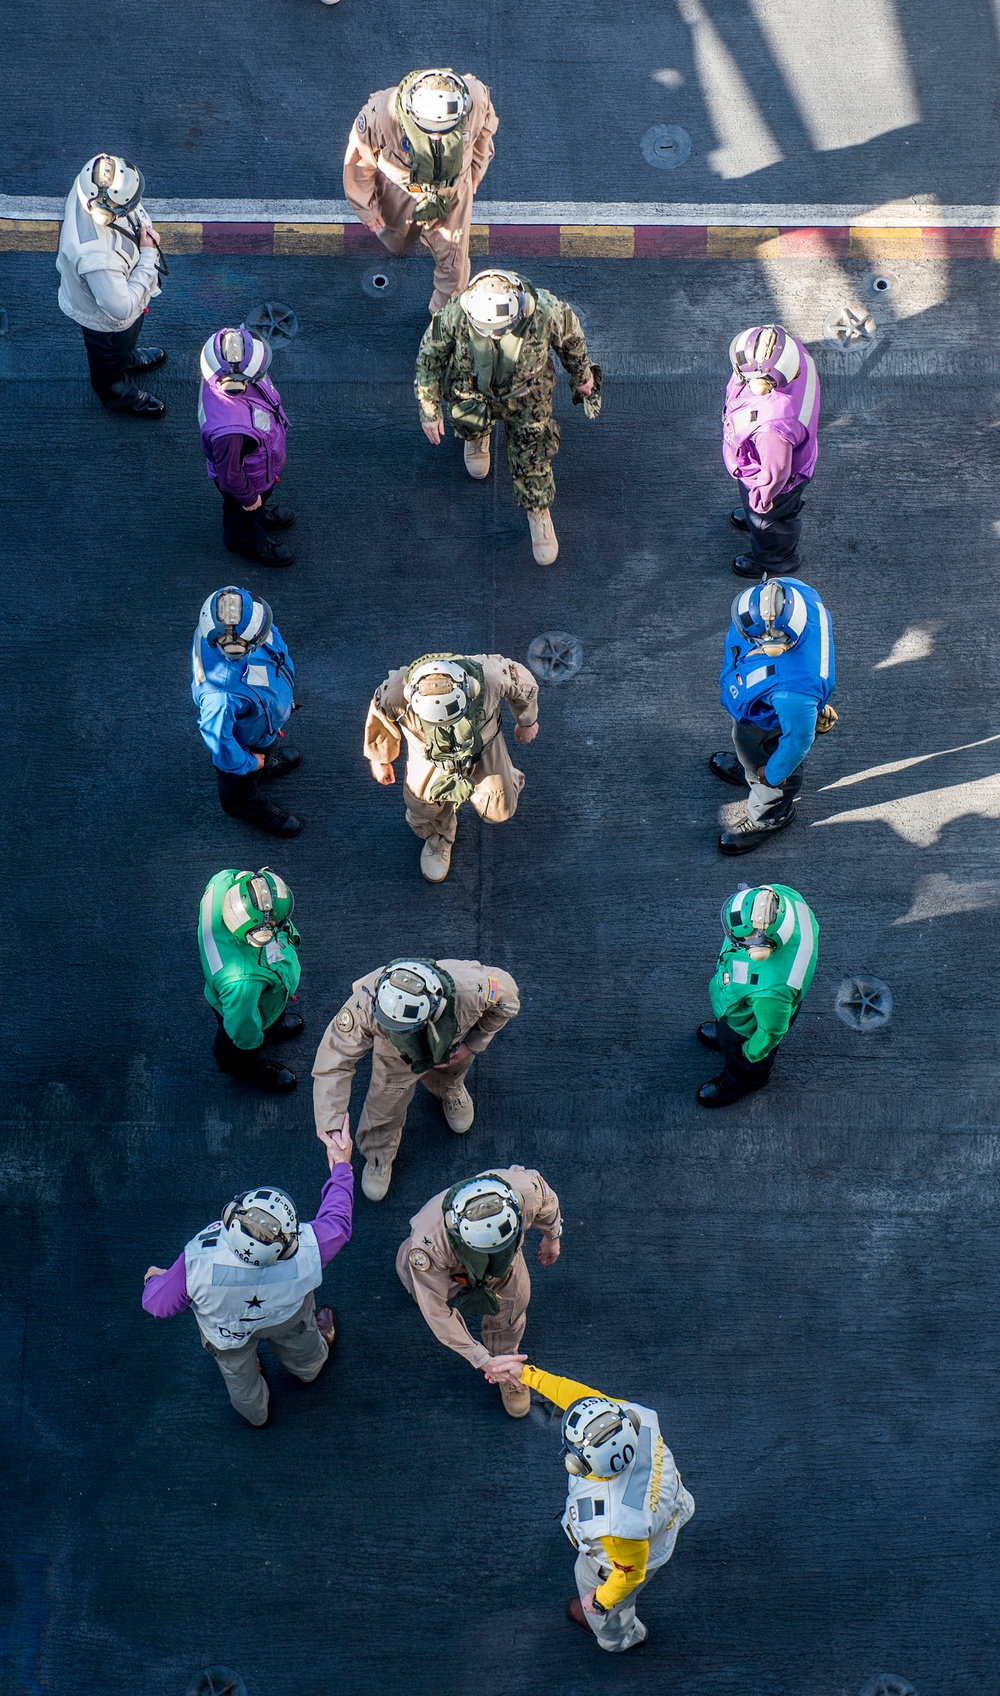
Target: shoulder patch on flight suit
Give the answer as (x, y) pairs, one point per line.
(419, 1260)
(345, 1020)
(494, 994)
(362, 124)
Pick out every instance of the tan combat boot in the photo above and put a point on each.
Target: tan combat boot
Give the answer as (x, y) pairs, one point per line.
(376, 1178)
(516, 1399)
(435, 859)
(458, 1108)
(477, 457)
(544, 542)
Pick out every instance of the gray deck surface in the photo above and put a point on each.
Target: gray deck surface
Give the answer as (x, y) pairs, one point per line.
(803, 1285)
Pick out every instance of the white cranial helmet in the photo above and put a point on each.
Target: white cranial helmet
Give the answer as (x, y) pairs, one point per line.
(495, 301)
(485, 1213)
(408, 994)
(599, 1437)
(437, 101)
(261, 1227)
(111, 184)
(438, 691)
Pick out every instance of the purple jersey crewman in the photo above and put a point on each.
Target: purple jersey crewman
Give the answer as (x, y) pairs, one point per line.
(769, 425)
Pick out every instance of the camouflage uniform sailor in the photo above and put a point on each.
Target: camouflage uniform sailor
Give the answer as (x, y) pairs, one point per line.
(487, 356)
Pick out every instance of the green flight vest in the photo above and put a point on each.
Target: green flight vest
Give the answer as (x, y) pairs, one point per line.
(455, 748)
(494, 368)
(434, 163)
(250, 987)
(431, 1044)
(476, 1298)
(740, 980)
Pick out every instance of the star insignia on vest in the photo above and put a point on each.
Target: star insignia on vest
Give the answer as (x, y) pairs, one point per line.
(419, 1260)
(255, 1301)
(344, 1020)
(362, 124)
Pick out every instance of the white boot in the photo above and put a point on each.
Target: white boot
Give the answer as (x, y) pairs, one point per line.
(435, 859)
(376, 1178)
(544, 542)
(477, 457)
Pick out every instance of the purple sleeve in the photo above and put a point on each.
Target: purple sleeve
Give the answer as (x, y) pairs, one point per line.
(227, 457)
(332, 1223)
(775, 455)
(166, 1294)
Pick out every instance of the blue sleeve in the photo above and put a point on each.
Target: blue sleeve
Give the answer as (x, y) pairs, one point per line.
(216, 721)
(797, 717)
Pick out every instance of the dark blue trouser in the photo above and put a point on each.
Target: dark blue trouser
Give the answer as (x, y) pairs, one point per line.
(774, 535)
(108, 355)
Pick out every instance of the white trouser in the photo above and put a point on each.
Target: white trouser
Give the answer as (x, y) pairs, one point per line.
(619, 1629)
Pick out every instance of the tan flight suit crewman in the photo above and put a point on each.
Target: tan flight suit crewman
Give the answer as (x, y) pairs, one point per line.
(424, 1021)
(415, 158)
(438, 1264)
(447, 706)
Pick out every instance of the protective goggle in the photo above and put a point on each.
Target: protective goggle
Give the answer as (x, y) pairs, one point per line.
(105, 169)
(259, 892)
(763, 913)
(229, 611)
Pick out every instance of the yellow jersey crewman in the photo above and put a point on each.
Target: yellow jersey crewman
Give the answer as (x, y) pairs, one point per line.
(625, 1503)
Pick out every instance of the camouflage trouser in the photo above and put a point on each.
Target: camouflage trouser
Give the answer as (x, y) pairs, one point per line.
(532, 441)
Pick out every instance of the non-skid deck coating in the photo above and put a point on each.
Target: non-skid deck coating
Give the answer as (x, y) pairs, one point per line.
(803, 1285)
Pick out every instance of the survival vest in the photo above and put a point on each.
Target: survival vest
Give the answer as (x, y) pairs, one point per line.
(233, 1301)
(641, 1504)
(481, 1270)
(431, 1044)
(748, 677)
(492, 372)
(258, 415)
(455, 748)
(435, 162)
(786, 411)
(791, 966)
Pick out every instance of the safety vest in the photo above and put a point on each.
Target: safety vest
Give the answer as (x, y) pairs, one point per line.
(261, 978)
(791, 966)
(263, 681)
(748, 677)
(640, 1504)
(258, 415)
(786, 411)
(233, 1301)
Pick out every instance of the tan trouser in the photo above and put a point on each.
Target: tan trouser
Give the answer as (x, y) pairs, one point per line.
(501, 1332)
(498, 789)
(296, 1342)
(390, 1092)
(447, 240)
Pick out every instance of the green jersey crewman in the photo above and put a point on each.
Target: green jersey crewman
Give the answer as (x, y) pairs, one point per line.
(764, 969)
(488, 355)
(249, 955)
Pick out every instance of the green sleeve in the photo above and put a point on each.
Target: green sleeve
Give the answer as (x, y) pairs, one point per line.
(567, 339)
(433, 358)
(773, 1014)
(241, 1014)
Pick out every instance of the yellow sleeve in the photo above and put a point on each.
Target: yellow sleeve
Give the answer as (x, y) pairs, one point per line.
(627, 1560)
(562, 1391)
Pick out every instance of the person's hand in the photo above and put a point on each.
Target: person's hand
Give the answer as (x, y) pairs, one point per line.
(382, 772)
(148, 236)
(374, 222)
(504, 1368)
(548, 1251)
(588, 1603)
(338, 1144)
(455, 1058)
(253, 508)
(761, 778)
(434, 432)
(525, 732)
(152, 1272)
(587, 388)
(261, 761)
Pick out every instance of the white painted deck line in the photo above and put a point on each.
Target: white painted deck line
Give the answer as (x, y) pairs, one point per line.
(894, 215)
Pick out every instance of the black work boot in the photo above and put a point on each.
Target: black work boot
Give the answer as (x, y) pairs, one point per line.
(270, 819)
(269, 553)
(144, 358)
(279, 760)
(745, 565)
(730, 769)
(276, 517)
(738, 519)
(283, 1029)
(720, 1092)
(746, 836)
(271, 1076)
(708, 1034)
(142, 405)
